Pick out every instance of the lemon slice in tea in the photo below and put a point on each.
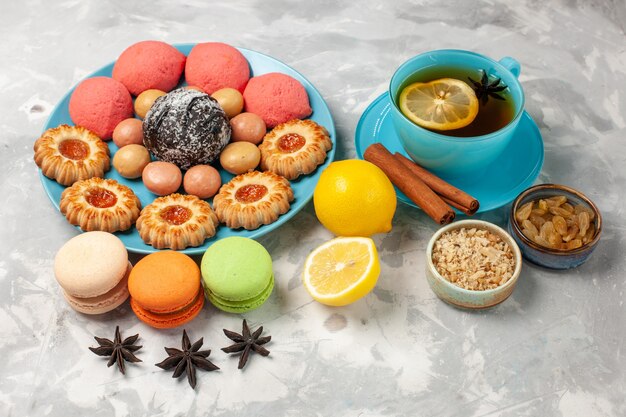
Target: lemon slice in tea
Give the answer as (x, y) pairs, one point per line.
(443, 104)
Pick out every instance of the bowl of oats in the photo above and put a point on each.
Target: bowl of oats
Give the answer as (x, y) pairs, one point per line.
(555, 226)
(472, 264)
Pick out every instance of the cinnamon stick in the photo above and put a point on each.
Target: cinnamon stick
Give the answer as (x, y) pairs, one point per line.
(457, 206)
(452, 195)
(409, 184)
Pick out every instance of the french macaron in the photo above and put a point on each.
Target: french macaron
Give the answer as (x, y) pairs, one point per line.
(93, 269)
(165, 289)
(237, 274)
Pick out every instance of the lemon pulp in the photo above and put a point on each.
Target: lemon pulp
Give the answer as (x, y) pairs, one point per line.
(342, 270)
(443, 104)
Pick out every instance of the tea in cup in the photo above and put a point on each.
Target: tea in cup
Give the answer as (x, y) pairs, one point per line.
(478, 101)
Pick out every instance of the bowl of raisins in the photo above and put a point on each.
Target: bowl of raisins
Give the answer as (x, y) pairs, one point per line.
(555, 226)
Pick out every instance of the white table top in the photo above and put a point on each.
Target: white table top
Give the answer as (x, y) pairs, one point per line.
(556, 347)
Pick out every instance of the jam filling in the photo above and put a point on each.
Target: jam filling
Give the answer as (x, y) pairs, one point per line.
(175, 215)
(100, 198)
(74, 149)
(291, 142)
(251, 193)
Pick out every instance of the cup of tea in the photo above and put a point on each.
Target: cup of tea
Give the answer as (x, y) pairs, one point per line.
(467, 150)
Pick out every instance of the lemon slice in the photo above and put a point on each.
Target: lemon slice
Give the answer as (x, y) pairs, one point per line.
(443, 104)
(342, 270)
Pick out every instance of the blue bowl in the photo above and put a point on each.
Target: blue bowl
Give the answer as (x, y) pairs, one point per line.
(449, 156)
(546, 257)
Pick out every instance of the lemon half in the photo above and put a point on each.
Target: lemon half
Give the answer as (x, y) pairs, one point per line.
(342, 270)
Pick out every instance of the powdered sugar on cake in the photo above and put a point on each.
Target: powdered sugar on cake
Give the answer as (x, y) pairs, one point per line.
(186, 128)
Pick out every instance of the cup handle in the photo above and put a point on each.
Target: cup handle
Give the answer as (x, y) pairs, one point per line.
(512, 65)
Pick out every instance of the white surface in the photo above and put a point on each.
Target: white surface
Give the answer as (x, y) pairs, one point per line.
(556, 347)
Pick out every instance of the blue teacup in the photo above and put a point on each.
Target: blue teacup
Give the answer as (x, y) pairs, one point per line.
(450, 156)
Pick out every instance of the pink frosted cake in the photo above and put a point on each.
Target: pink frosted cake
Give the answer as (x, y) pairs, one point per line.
(149, 65)
(277, 98)
(213, 66)
(99, 104)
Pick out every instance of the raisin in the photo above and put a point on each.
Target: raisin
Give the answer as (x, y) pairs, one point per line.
(560, 225)
(524, 212)
(574, 244)
(583, 223)
(527, 224)
(556, 201)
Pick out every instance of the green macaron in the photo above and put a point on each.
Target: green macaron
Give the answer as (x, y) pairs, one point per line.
(237, 274)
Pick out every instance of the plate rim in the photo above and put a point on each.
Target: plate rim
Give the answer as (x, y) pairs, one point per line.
(532, 175)
(254, 234)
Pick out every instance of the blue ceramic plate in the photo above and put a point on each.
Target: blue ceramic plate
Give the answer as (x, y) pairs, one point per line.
(513, 172)
(302, 187)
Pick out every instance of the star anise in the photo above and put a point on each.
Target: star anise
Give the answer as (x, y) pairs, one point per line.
(485, 89)
(245, 342)
(187, 360)
(118, 350)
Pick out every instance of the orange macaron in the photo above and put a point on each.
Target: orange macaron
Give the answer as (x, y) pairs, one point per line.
(165, 289)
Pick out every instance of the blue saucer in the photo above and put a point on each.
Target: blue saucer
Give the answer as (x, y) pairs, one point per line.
(302, 187)
(514, 171)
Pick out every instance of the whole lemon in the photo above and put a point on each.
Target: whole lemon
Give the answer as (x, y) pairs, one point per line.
(354, 198)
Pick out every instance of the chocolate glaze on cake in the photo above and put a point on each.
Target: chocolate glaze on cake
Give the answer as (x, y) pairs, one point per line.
(186, 128)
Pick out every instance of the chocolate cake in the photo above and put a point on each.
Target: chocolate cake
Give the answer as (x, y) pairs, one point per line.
(186, 128)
